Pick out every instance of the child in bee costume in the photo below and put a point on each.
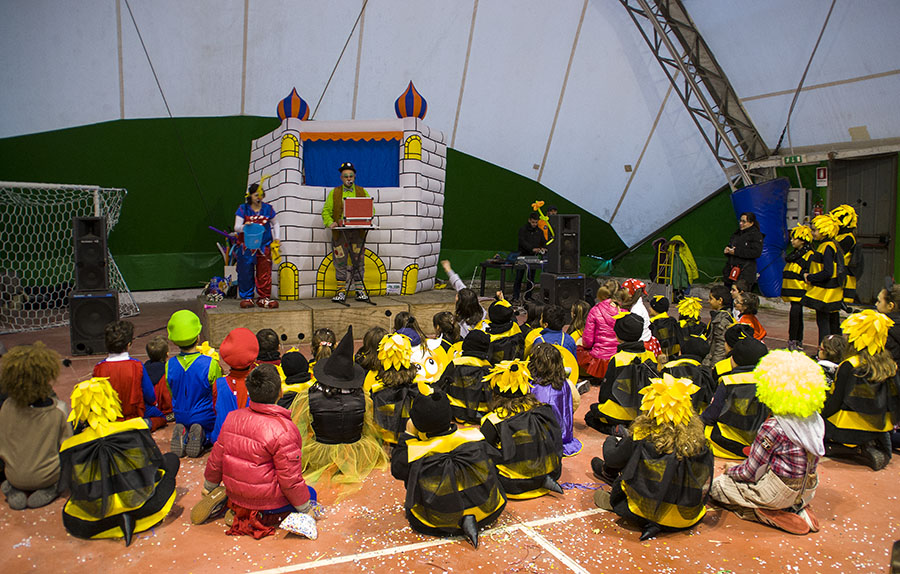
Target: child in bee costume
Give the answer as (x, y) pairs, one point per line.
(689, 312)
(452, 485)
(463, 379)
(778, 480)
(825, 277)
(793, 286)
(119, 482)
(661, 470)
(507, 340)
(688, 366)
(394, 388)
(629, 371)
(846, 239)
(864, 404)
(665, 328)
(525, 431)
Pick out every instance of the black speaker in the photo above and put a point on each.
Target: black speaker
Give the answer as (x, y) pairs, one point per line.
(89, 312)
(562, 290)
(563, 253)
(89, 235)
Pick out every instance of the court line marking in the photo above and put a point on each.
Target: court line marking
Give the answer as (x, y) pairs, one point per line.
(524, 527)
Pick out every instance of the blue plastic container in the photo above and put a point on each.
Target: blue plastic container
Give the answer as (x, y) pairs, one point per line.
(253, 235)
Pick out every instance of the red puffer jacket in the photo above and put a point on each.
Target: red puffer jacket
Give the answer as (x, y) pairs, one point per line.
(257, 456)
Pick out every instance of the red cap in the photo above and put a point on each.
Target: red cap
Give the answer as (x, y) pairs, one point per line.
(240, 348)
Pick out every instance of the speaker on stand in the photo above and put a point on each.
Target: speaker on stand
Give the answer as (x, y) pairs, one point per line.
(91, 305)
(564, 252)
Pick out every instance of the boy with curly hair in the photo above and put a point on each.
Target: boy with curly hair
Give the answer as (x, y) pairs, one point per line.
(32, 426)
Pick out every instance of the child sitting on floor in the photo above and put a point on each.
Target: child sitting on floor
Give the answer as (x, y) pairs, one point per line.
(119, 482)
(687, 366)
(630, 370)
(127, 376)
(720, 319)
(778, 480)
(334, 417)
(323, 341)
(463, 380)
(888, 303)
(661, 470)
(295, 368)
(689, 316)
(452, 485)
(192, 378)
(830, 355)
(155, 366)
(553, 321)
(32, 426)
(664, 328)
(447, 329)
(258, 458)
(367, 355)
(239, 351)
(394, 388)
(864, 404)
(551, 386)
(734, 414)
(269, 347)
(507, 340)
(526, 433)
(599, 337)
(748, 305)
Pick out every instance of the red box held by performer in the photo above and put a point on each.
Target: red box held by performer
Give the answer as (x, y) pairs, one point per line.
(358, 211)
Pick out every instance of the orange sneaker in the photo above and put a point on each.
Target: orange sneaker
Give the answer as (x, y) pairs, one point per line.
(783, 520)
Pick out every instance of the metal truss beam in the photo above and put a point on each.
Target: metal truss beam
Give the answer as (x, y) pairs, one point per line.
(701, 84)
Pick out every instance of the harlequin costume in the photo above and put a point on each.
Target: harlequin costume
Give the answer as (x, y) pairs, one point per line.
(793, 286)
(653, 488)
(778, 480)
(343, 244)
(452, 483)
(239, 351)
(131, 382)
(191, 376)
(529, 438)
(334, 417)
(628, 372)
(391, 402)
(665, 328)
(846, 239)
(734, 415)
(463, 380)
(119, 482)
(507, 340)
(254, 266)
(860, 412)
(688, 366)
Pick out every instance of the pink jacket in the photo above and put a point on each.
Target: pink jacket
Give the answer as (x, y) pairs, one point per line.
(599, 336)
(257, 455)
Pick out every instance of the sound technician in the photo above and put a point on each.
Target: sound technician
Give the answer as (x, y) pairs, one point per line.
(533, 244)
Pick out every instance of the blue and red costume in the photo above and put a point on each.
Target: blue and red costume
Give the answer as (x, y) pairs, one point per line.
(254, 267)
(130, 380)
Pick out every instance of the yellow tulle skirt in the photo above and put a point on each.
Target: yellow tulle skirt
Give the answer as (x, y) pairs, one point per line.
(345, 465)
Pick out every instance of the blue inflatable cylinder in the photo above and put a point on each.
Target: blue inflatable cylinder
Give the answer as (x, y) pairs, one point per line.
(768, 201)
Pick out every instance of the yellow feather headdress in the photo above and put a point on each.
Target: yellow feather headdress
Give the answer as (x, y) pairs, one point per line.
(867, 330)
(690, 307)
(827, 225)
(802, 232)
(510, 377)
(845, 215)
(95, 402)
(395, 351)
(668, 399)
(790, 383)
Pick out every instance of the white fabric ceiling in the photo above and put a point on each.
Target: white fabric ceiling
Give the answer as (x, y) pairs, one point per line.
(61, 69)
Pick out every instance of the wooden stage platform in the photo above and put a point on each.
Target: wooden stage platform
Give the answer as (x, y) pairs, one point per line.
(297, 320)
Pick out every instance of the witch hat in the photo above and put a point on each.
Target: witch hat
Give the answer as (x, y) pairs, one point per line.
(339, 370)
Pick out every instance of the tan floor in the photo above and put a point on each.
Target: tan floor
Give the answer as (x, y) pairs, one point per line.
(367, 531)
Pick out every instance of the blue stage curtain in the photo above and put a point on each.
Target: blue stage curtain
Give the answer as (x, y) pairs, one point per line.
(377, 162)
(768, 200)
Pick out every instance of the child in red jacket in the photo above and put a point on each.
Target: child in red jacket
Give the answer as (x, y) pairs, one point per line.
(257, 456)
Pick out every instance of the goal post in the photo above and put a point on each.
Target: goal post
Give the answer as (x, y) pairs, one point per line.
(37, 263)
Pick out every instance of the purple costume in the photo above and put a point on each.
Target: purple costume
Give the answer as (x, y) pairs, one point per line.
(561, 403)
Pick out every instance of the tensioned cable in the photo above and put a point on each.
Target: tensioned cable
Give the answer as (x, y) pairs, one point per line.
(803, 78)
(169, 111)
(333, 70)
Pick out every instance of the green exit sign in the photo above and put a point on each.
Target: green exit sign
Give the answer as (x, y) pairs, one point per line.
(792, 159)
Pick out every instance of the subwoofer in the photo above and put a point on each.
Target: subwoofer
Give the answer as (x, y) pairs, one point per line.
(89, 237)
(89, 312)
(563, 253)
(562, 290)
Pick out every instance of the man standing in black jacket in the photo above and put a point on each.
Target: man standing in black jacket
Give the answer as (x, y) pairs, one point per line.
(531, 244)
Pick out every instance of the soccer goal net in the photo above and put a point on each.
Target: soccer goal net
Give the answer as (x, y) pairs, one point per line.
(37, 262)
